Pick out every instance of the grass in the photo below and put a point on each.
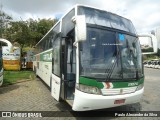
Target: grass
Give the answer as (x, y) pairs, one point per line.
(11, 77)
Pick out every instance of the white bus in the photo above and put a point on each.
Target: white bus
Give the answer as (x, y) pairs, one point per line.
(91, 59)
(1, 57)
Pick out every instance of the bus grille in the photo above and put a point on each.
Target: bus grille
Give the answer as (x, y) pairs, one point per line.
(118, 91)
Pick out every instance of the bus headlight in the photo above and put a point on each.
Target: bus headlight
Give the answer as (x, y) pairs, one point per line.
(140, 86)
(88, 89)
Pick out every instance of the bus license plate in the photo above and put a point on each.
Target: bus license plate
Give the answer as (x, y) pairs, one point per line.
(121, 101)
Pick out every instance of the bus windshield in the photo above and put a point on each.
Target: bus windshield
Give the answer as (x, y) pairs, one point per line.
(110, 55)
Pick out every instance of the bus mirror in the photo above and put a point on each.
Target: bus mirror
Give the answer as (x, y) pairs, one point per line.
(148, 43)
(80, 28)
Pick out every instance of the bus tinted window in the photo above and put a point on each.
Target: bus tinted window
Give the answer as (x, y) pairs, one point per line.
(46, 42)
(103, 18)
(67, 24)
(56, 57)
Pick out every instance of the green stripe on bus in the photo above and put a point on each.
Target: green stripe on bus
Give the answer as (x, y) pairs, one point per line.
(46, 56)
(128, 83)
(93, 82)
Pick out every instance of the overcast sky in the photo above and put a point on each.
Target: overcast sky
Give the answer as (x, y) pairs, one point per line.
(145, 14)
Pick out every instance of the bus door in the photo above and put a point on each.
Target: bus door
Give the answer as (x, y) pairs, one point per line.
(68, 69)
(56, 76)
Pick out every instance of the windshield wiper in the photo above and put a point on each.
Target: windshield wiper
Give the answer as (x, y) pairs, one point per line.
(110, 70)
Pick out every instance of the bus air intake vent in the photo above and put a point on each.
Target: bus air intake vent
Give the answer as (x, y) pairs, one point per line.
(118, 91)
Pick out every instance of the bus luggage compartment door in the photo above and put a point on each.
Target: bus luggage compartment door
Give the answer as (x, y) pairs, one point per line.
(55, 87)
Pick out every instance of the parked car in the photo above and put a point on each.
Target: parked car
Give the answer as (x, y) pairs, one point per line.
(149, 63)
(152, 64)
(145, 63)
(157, 66)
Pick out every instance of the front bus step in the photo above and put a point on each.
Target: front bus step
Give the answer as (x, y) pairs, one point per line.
(70, 102)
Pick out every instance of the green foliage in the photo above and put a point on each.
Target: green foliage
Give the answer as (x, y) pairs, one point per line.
(152, 56)
(158, 53)
(28, 33)
(25, 49)
(4, 20)
(147, 50)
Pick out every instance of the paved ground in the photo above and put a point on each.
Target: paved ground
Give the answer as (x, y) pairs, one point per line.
(35, 96)
(151, 98)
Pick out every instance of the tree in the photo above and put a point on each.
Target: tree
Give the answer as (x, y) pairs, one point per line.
(158, 53)
(44, 25)
(39, 28)
(28, 33)
(18, 32)
(4, 20)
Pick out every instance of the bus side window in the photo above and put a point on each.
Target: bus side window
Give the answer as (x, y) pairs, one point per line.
(56, 57)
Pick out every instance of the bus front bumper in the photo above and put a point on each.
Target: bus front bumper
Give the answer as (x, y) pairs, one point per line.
(84, 101)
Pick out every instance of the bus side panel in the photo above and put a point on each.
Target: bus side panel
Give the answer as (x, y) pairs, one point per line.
(55, 87)
(44, 71)
(47, 72)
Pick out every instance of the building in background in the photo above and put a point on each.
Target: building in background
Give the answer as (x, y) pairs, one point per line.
(156, 32)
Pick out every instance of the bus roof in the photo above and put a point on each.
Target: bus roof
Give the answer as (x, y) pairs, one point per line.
(76, 6)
